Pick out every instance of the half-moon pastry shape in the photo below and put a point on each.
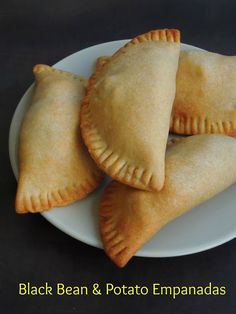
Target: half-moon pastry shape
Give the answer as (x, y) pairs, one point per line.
(205, 100)
(55, 168)
(197, 168)
(125, 115)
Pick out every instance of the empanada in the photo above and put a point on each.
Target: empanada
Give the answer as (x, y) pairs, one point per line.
(55, 168)
(125, 115)
(197, 168)
(205, 100)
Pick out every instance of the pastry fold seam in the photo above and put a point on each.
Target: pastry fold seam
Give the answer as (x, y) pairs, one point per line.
(184, 124)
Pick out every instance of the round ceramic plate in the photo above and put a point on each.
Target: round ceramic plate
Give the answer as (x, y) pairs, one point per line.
(206, 226)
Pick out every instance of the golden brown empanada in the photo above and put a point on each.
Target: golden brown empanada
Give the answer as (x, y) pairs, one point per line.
(205, 100)
(197, 168)
(125, 115)
(55, 167)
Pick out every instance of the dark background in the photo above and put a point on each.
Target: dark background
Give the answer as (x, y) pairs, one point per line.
(33, 250)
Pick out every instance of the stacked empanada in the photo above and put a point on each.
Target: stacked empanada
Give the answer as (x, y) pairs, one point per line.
(55, 168)
(197, 168)
(132, 101)
(126, 113)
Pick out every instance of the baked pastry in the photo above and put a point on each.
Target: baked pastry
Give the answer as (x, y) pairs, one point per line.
(55, 168)
(100, 62)
(197, 168)
(125, 115)
(205, 100)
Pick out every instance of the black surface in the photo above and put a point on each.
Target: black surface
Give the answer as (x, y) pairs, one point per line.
(33, 250)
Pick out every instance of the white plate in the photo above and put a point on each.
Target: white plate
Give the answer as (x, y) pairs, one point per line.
(207, 226)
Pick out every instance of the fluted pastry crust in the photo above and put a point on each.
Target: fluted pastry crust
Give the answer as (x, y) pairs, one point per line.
(125, 115)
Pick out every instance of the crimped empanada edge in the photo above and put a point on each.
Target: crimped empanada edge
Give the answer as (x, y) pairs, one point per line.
(113, 243)
(44, 201)
(168, 35)
(187, 125)
(109, 161)
(43, 68)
